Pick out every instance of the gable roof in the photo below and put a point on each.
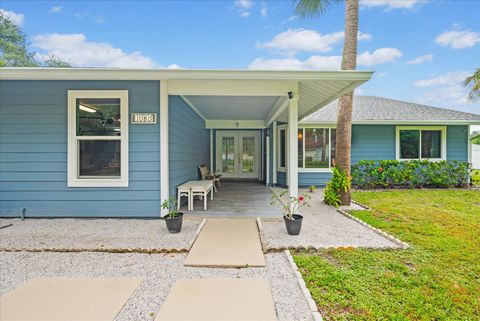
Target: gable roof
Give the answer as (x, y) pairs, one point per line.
(372, 109)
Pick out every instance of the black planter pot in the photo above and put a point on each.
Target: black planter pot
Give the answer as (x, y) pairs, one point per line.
(293, 226)
(174, 225)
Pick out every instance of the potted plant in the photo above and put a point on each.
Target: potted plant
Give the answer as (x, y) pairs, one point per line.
(174, 218)
(312, 188)
(293, 221)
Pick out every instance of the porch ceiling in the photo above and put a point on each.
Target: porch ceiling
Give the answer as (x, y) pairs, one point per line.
(233, 107)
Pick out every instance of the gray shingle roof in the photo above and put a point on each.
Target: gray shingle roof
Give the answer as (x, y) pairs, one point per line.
(371, 109)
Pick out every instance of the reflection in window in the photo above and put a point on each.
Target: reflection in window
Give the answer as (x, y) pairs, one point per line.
(98, 117)
(99, 158)
(283, 143)
(300, 147)
(409, 144)
(317, 148)
(228, 154)
(431, 144)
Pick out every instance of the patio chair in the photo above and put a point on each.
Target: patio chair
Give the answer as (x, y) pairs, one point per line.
(207, 175)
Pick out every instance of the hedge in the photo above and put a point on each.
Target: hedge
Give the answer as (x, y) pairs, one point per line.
(410, 174)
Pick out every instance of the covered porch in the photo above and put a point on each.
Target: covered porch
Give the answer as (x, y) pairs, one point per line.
(239, 112)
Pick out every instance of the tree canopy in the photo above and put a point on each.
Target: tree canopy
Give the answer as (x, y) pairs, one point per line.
(14, 50)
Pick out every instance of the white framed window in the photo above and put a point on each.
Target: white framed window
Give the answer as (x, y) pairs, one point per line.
(316, 149)
(97, 138)
(421, 142)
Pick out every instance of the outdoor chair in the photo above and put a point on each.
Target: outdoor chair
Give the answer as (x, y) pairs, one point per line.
(207, 175)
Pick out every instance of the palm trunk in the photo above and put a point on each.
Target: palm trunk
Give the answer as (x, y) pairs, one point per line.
(344, 120)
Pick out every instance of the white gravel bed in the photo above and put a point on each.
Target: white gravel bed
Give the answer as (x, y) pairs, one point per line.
(159, 272)
(322, 227)
(100, 234)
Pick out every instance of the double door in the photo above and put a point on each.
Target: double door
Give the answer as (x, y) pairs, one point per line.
(238, 154)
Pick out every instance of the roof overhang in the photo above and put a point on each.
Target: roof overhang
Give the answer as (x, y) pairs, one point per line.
(315, 89)
(399, 122)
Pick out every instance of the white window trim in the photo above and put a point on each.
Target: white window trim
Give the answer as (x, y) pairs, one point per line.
(443, 133)
(303, 169)
(72, 165)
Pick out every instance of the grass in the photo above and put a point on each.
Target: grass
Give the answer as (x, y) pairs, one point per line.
(438, 278)
(476, 177)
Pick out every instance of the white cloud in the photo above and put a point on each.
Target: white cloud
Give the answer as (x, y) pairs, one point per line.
(244, 4)
(450, 78)
(295, 40)
(379, 56)
(78, 51)
(420, 60)
(55, 9)
(289, 19)
(15, 18)
(447, 90)
(364, 36)
(458, 39)
(244, 7)
(392, 4)
(264, 10)
(380, 75)
(318, 62)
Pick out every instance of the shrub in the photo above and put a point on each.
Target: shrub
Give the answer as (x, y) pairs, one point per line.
(410, 174)
(339, 181)
(476, 177)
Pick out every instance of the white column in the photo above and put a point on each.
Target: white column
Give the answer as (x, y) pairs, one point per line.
(211, 151)
(164, 166)
(292, 172)
(274, 156)
(267, 159)
(262, 150)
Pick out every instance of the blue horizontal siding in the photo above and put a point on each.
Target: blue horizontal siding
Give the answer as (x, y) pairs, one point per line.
(189, 143)
(317, 179)
(457, 143)
(374, 142)
(281, 178)
(33, 153)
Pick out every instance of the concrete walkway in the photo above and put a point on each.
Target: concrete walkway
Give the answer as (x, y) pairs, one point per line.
(227, 242)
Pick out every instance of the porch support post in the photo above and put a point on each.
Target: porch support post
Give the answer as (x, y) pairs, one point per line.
(292, 171)
(267, 158)
(164, 141)
(274, 156)
(211, 151)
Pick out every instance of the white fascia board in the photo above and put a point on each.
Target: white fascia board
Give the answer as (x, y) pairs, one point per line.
(42, 73)
(396, 122)
(232, 123)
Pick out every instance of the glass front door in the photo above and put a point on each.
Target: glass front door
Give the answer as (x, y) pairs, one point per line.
(238, 154)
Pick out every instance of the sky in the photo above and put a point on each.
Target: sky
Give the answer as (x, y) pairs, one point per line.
(420, 50)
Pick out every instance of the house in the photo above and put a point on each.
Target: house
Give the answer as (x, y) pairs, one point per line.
(97, 142)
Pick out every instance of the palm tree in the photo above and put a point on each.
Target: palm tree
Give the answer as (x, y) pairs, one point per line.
(312, 8)
(473, 82)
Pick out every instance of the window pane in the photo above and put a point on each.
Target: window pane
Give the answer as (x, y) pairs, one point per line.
(409, 144)
(300, 147)
(228, 154)
(99, 158)
(316, 148)
(98, 117)
(431, 144)
(282, 148)
(248, 154)
(333, 149)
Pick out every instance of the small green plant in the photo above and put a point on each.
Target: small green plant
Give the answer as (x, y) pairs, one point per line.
(340, 181)
(312, 188)
(171, 205)
(476, 177)
(292, 206)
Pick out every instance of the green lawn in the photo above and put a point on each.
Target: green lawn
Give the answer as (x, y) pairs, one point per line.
(438, 278)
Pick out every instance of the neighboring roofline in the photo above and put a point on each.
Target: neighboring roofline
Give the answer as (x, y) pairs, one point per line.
(398, 122)
(43, 73)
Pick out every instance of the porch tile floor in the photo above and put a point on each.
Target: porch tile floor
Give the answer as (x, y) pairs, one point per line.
(237, 199)
(159, 273)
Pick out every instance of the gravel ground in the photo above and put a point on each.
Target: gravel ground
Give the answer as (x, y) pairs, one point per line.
(74, 234)
(159, 272)
(322, 227)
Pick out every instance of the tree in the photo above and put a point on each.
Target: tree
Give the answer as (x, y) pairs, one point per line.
(473, 82)
(14, 49)
(312, 8)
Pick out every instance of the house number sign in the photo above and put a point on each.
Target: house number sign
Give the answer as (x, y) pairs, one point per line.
(143, 118)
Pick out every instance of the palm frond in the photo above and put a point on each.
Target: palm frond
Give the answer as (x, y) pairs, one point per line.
(473, 83)
(311, 8)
